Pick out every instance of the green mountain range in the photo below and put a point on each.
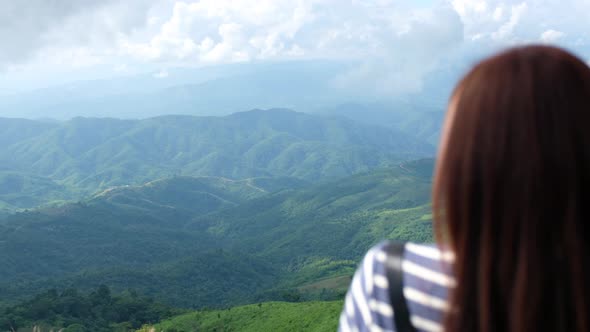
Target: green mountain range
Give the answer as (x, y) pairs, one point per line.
(310, 86)
(224, 215)
(421, 121)
(74, 159)
(196, 242)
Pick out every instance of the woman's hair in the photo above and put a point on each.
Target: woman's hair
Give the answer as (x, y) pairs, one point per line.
(512, 193)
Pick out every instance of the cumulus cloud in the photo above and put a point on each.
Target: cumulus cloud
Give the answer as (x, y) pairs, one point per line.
(521, 21)
(551, 36)
(408, 51)
(200, 31)
(490, 19)
(225, 31)
(396, 42)
(63, 29)
(506, 29)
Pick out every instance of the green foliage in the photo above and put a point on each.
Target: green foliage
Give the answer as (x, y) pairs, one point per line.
(197, 242)
(267, 316)
(254, 207)
(85, 155)
(339, 219)
(192, 195)
(76, 312)
(421, 120)
(120, 229)
(19, 190)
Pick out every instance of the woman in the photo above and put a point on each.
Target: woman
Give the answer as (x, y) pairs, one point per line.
(511, 186)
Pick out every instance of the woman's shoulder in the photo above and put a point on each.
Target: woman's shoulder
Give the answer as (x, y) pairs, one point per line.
(427, 273)
(426, 278)
(417, 257)
(426, 261)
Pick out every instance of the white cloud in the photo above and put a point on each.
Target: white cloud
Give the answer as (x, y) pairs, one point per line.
(505, 22)
(466, 7)
(498, 13)
(162, 74)
(405, 57)
(551, 36)
(490, 19)
(225, 31)
(121, 68)
(396, 41)
(506, 29)
(65, 29)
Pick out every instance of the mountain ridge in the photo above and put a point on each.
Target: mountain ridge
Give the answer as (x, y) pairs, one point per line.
(296, 234)
(91, 154)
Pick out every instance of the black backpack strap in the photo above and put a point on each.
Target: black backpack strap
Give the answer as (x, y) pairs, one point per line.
(401, 314)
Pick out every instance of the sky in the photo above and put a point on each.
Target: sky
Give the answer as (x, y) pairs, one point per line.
(44, 43)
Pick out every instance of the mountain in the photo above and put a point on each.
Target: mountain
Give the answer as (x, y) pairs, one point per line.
(213, 242)
(129, 226)
(421, 120)
(331, 218)
(20, 190)
(208, 91)
(309, 86)
(191, 195)
(89, 154)
(16, 130)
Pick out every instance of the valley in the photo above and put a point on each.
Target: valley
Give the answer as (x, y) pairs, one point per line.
(208, 213)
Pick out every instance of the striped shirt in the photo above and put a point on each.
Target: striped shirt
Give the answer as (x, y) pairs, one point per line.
(426, 280)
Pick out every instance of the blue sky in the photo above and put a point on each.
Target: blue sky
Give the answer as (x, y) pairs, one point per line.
(45, 43)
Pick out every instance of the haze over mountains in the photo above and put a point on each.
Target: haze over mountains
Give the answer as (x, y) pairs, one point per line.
(172, 194)
(68, 160)
(192, 188)
(305, 86)
(207, 211)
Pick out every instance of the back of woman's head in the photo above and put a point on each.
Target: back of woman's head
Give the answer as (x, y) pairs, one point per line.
(512, 190)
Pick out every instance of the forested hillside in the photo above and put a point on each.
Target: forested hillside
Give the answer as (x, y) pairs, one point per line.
(197, 242)
(102, 311)
(423, 120)
(73, 311)
(76, 158)
(200, 212)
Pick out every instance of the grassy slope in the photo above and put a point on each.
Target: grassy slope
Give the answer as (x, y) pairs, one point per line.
(267, 316)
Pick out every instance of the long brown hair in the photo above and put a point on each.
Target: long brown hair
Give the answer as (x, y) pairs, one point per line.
(512, 193)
